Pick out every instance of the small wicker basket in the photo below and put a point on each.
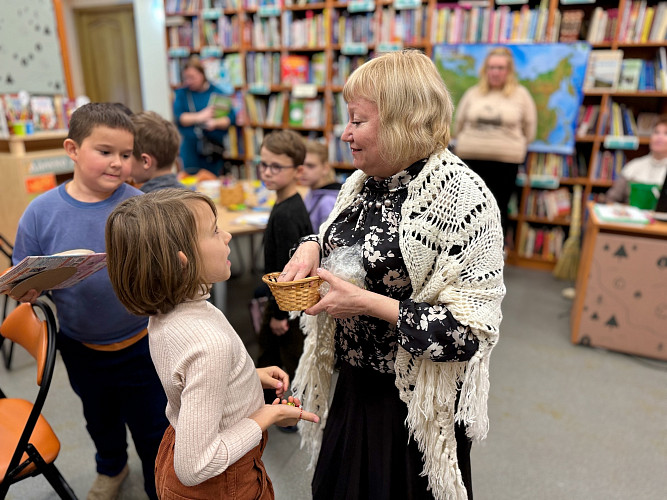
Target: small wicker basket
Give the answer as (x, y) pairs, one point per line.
(294, 295)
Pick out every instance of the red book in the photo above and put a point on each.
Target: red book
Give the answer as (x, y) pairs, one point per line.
(294, 69)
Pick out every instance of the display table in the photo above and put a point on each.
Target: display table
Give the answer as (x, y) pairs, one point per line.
(621, 298)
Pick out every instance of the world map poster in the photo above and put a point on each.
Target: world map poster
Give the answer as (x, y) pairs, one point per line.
(552, 73)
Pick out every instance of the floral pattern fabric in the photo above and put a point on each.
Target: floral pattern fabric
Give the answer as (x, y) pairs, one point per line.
(424, 330)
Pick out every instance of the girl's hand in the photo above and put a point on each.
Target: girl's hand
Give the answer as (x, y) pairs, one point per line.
(282, 414)
(303, 263)
(303, 415)
(273, 377)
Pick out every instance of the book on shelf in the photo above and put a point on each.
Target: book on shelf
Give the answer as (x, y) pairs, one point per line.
(50, 272)
(589, 121)
(294, 69)
(603, 70)
(4, 127)
(296, 112)
(43, 113)
(570, 25)
(631, 69)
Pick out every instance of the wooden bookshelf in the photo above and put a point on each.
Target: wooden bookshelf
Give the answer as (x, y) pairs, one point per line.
(341, 31)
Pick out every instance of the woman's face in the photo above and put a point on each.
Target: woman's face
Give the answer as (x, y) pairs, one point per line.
(658, 143)
(497, 69)
(361, 132)
(193, 79)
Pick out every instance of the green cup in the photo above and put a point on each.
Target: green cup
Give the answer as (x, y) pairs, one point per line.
(644, 196)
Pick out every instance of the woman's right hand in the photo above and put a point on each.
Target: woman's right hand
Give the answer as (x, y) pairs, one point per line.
(282, 414)
(304, 262)
(205, 115)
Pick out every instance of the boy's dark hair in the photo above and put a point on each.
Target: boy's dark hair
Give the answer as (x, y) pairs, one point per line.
(95, 114)
(155, 136)
(143, 237)
(123, 108)
(286, 142)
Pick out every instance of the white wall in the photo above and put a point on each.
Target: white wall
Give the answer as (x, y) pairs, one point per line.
(151, 48)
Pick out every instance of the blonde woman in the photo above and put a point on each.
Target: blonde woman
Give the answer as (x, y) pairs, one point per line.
(413, 344)
(495, 121)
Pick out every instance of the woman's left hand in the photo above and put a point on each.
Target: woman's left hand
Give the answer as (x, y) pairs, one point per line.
(273, 377)
(345, 300)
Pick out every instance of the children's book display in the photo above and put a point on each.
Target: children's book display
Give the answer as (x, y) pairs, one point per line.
(50, 272)
(23, 114)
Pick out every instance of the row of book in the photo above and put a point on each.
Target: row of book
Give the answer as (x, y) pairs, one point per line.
(607, 70)
(641, 22)
(195, 6)
(551, 204)
(266, 69)
(305, 32)
(545, 242)
(36, 113)
(450, 23)
(266, 110)
(461, 23)
(182, 6)
(607, 164)
(269, 111)
(224, 32)
(641, 126)
(182, 32)
(555, 165)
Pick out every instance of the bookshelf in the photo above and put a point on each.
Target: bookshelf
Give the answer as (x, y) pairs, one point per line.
(288, 61)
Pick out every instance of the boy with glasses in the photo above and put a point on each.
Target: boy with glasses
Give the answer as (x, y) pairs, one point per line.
(282, 152)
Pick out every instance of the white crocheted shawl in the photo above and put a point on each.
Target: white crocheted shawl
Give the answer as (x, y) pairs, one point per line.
(452, 244)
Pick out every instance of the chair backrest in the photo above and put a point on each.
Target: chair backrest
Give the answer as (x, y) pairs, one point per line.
(38, 337)
(23, 327)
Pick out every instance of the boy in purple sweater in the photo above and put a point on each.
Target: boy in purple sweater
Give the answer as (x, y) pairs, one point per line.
(103, 346)
(316, 173)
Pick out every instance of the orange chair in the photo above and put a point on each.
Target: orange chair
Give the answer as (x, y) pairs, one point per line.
(6, 348)
(28, 445)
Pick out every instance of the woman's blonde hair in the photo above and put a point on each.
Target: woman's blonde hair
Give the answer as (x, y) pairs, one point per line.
(144, 235)
(413, 102)
(511, 83)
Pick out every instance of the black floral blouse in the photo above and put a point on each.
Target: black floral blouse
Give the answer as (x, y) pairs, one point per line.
(424, 330)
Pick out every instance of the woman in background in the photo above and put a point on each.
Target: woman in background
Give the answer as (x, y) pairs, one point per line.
(649, 169)
(195, 118)
(495, 121)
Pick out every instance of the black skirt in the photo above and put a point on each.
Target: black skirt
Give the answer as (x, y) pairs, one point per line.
(365, 450)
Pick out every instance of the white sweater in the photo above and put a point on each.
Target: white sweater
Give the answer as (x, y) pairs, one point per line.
(211, 385)
(452, 244)
(494, 126)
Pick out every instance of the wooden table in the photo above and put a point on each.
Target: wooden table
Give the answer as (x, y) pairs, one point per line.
(232, 222)
(621, 299)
